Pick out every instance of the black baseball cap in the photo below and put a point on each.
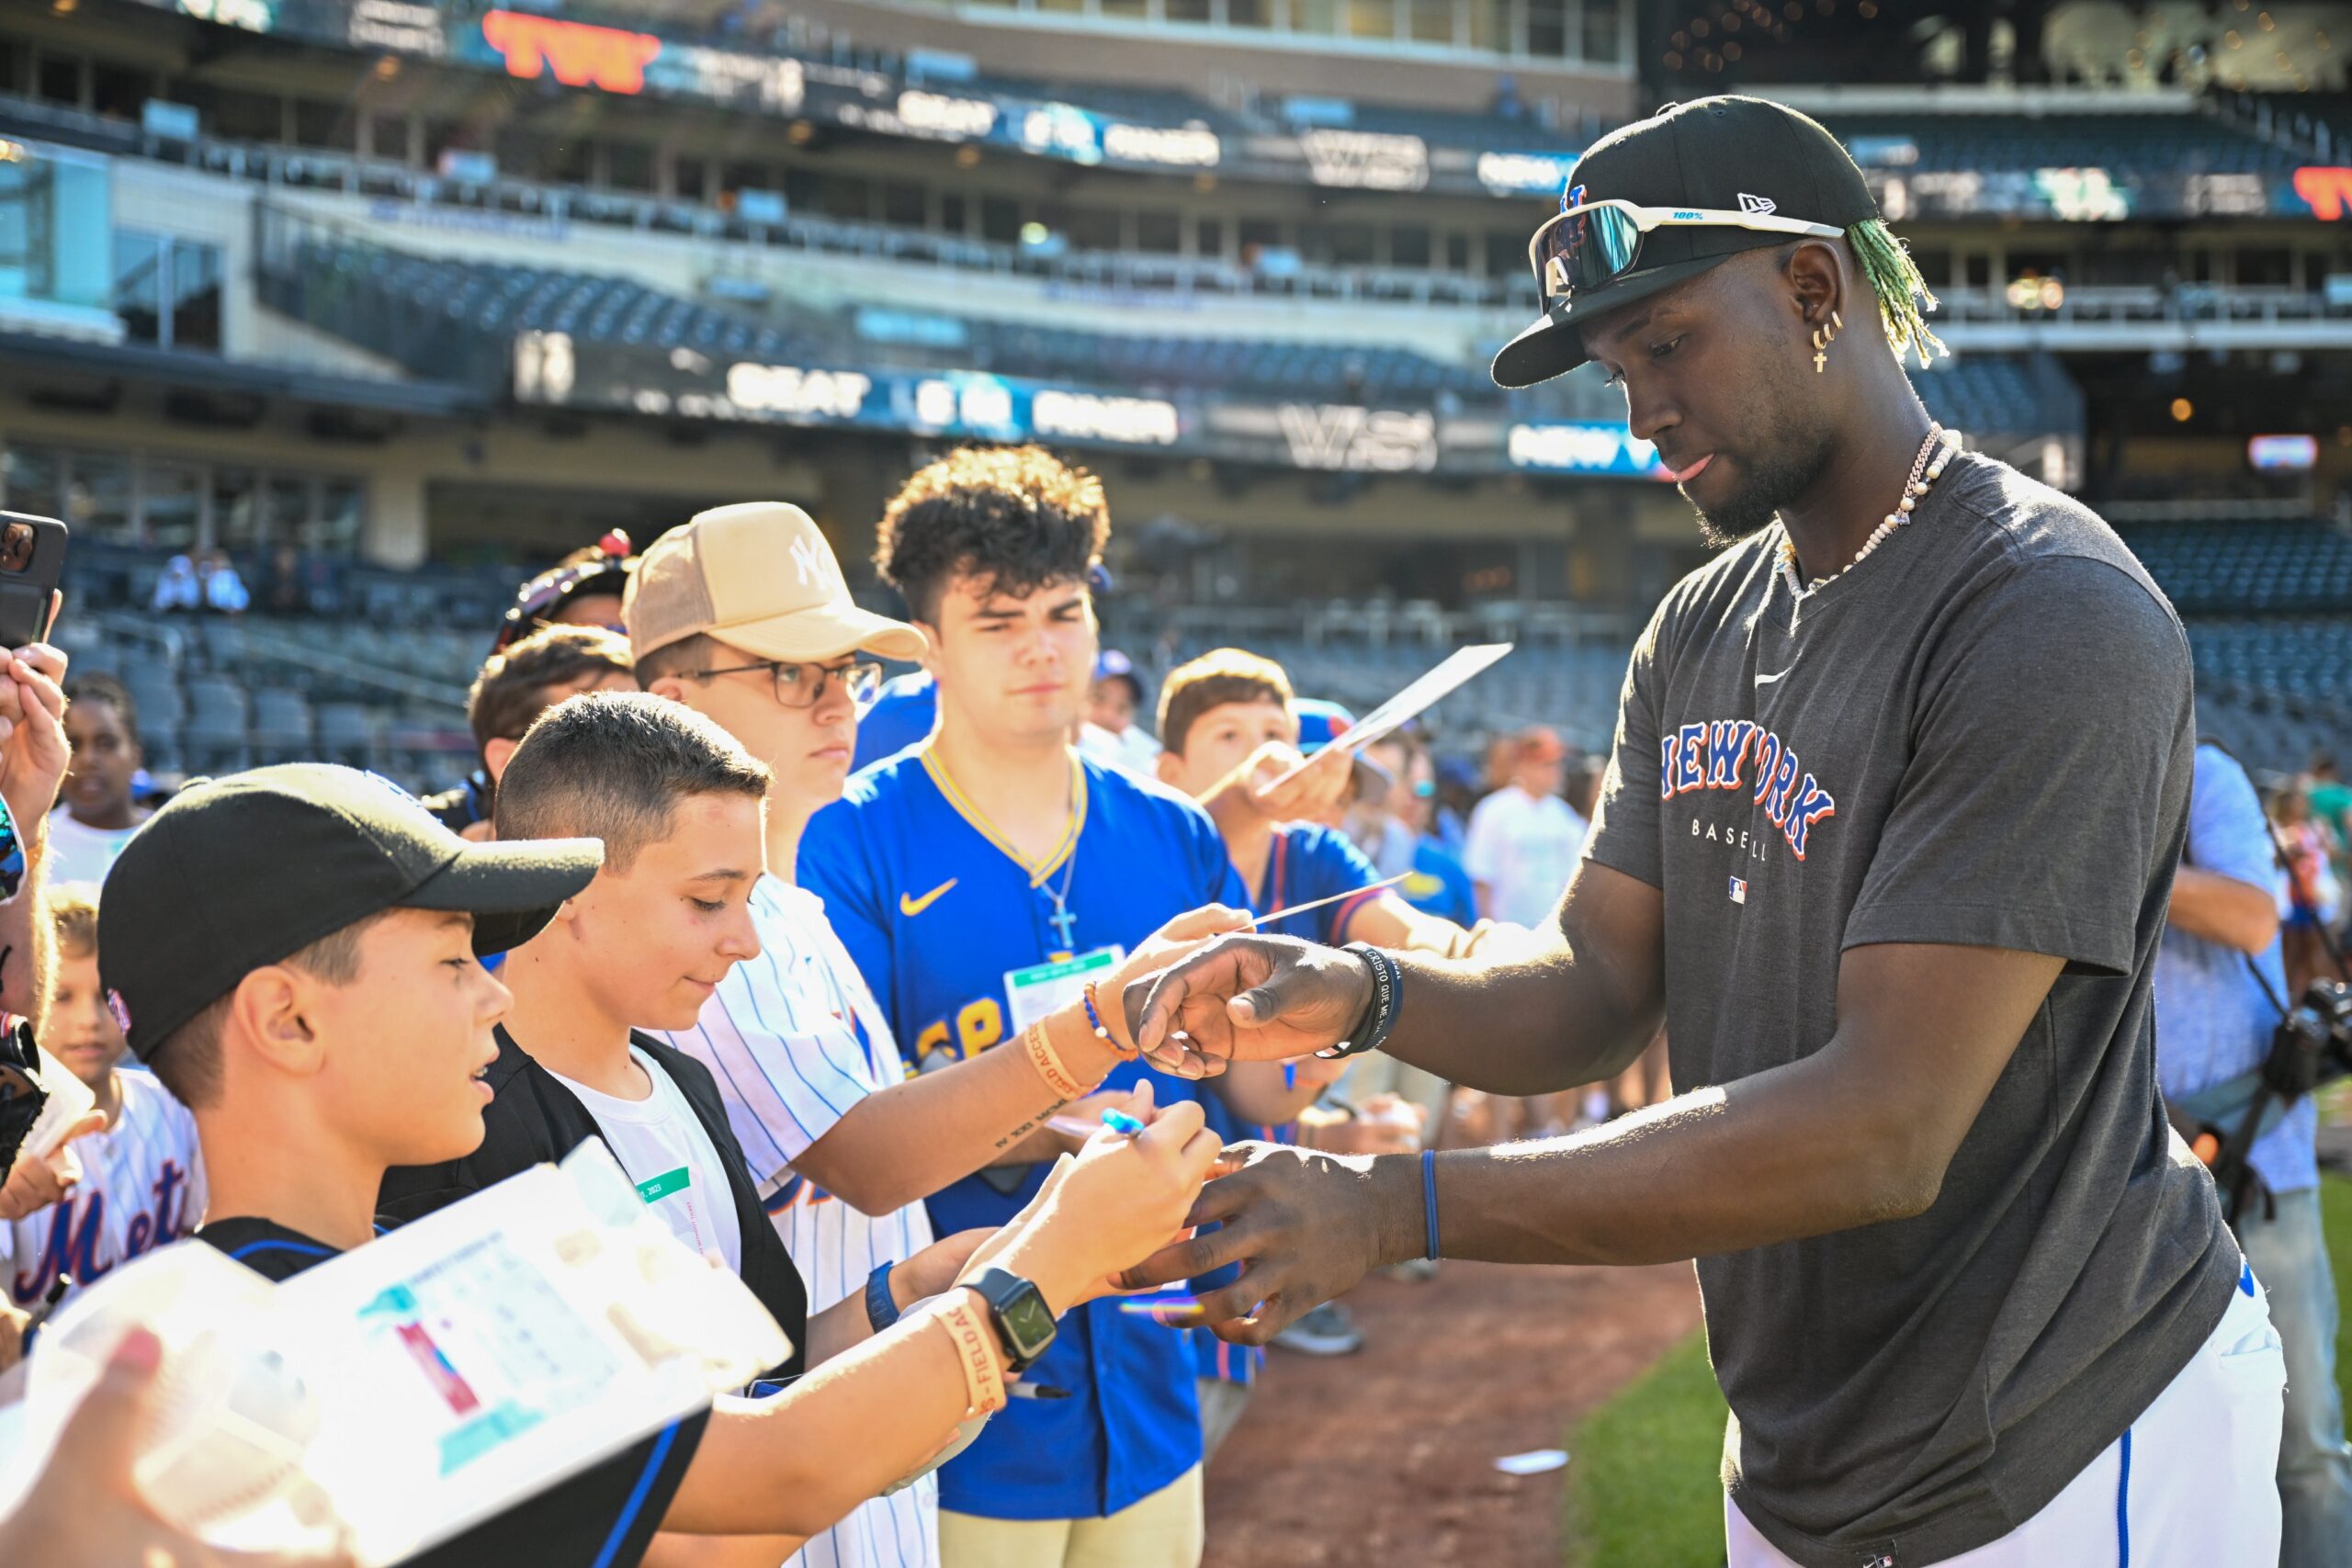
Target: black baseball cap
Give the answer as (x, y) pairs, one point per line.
(1728, 154)
(239, 872)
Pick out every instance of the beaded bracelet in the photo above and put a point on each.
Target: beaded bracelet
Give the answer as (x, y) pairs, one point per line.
(1102, 1031)
(975, 1354)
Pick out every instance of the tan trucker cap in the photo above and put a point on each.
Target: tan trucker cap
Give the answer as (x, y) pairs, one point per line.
(758, 576)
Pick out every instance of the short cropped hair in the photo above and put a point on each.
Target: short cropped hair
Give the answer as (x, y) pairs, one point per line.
(614, 765)
(1218, 677)
(696, 650)
(1016, 517)
(516, 682)
(188, 1061)
(100, 687)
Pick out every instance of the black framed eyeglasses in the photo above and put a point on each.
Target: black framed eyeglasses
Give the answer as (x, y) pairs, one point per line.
(803, 685)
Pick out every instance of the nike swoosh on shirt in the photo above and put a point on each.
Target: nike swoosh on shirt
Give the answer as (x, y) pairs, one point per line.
(1768, 679)
(910, 907)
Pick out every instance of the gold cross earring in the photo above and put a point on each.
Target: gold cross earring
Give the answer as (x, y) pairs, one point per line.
(1822, 338)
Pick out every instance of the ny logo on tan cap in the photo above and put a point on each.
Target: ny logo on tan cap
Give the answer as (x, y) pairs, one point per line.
(811, 561)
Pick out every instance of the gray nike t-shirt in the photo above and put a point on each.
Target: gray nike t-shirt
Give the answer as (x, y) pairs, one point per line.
(1981, 735)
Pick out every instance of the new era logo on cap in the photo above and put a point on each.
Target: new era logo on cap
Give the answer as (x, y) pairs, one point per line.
(1757, 203)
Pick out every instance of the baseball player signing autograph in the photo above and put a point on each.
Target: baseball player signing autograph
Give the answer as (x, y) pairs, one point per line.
(1899, 785)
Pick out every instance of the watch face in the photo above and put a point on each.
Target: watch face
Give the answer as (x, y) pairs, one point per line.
(1026, 1322)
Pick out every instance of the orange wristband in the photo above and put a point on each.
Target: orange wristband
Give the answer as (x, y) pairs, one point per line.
(976, 1353)
(1050, 1064)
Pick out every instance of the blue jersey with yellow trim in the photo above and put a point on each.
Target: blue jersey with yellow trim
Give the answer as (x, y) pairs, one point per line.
(1310, 862)
(936, 909)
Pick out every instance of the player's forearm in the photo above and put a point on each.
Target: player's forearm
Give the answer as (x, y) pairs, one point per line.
(902, 1144)
(1802, 1150)
(1529, 1023)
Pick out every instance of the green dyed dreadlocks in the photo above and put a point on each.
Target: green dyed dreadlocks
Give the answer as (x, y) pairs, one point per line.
(1902, 292)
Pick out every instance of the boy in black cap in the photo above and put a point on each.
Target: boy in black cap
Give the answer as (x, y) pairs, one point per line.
(294, 951)
(1899, 784)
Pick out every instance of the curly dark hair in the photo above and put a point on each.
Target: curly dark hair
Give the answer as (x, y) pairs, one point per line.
(1017, 517)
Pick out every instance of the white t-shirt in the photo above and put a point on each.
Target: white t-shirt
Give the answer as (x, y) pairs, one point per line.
(662, 1145)
(142, 1185)
(79, 854)
(1524, 847)
(794, 1039)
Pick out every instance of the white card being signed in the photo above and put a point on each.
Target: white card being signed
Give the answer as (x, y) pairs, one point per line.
(1415, 699)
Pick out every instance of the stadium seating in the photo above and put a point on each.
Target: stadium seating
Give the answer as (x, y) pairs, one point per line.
(2011, 395)
(1156, 362)
(455, 320)
(2267, 568)
(2168, 143)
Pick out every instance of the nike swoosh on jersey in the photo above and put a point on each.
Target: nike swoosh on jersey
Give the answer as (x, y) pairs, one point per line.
(910, 907)
(1768, 679)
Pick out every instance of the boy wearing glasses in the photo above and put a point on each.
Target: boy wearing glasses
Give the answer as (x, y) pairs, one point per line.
(742, 615)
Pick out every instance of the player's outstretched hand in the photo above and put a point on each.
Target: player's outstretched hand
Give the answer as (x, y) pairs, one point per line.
(1246, 999)
(1117, 1202)
(1304, 1226)
(85, 1511)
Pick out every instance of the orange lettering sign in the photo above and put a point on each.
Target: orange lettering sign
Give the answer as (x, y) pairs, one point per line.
(2328, 191)
(580, 55)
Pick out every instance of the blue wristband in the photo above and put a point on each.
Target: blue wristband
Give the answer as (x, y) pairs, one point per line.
(1428, 1197)
(881, 1308)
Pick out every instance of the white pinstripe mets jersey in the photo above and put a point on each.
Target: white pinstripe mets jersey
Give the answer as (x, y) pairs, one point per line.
(794, 1039)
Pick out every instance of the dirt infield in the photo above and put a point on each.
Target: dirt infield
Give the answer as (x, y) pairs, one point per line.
(1387, 1456)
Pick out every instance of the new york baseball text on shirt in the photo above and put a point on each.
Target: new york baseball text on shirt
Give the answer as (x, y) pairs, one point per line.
(1713, 755)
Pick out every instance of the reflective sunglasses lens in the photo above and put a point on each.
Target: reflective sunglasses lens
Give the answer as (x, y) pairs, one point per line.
(1586, 250)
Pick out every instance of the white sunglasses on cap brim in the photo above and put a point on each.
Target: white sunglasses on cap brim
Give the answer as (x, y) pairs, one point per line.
(1588, 246)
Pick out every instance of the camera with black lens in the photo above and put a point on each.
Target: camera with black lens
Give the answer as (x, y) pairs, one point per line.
(2313, 1045)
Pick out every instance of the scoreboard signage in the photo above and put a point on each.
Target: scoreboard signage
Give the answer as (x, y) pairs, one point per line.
(556, 370)
(533, 45)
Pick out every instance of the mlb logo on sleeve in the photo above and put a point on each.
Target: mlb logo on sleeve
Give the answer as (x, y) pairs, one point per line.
(1739, 891)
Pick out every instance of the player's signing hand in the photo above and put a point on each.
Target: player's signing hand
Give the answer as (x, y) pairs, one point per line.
(1304, 1226)
(1246, 999)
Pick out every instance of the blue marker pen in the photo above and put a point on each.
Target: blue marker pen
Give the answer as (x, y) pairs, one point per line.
(1119, 1122)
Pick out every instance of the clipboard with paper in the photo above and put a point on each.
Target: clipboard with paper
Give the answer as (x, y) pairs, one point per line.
(412, 1387)
(1455, 671)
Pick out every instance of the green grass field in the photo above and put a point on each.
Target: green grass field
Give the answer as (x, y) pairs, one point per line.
(1641, 1489)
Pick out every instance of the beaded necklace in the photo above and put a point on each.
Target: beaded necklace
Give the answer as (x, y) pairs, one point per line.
(1924, 474)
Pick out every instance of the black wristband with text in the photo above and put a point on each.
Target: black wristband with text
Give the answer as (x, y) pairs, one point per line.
(1379, 1020)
